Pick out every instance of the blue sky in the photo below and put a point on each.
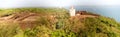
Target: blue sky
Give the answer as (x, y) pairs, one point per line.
(56, 3)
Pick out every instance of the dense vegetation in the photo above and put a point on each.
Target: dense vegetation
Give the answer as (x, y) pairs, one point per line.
(59, 26)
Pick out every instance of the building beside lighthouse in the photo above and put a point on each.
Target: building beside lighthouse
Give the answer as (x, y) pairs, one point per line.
(72, 11)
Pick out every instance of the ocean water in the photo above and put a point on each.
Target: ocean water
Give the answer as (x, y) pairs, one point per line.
(108, 11)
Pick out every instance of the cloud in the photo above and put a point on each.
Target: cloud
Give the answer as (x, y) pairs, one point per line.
(37, 3)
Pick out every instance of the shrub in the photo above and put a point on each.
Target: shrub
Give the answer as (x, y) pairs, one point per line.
(62, 33)
(8, 29)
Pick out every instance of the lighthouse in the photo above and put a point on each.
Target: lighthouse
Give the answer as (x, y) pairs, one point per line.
(72, 11)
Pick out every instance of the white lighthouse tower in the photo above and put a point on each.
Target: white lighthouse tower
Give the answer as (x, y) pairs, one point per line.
(72, 11)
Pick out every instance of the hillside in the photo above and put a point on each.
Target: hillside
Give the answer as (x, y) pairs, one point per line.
(55, 22)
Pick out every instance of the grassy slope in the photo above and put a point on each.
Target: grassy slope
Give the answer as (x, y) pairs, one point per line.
(63, 27)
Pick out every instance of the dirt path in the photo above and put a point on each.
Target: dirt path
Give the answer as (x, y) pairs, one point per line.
(84, 16)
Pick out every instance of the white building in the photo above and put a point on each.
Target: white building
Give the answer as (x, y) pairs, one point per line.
(72, 11)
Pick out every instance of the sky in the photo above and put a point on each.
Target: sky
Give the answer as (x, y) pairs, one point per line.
(56, 3)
